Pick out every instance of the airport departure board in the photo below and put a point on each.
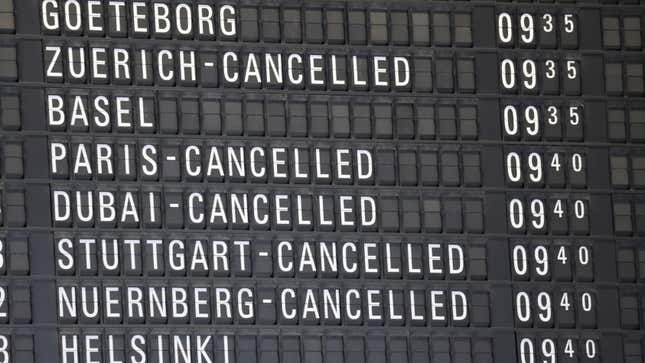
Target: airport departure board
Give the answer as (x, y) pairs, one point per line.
(324, 181)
